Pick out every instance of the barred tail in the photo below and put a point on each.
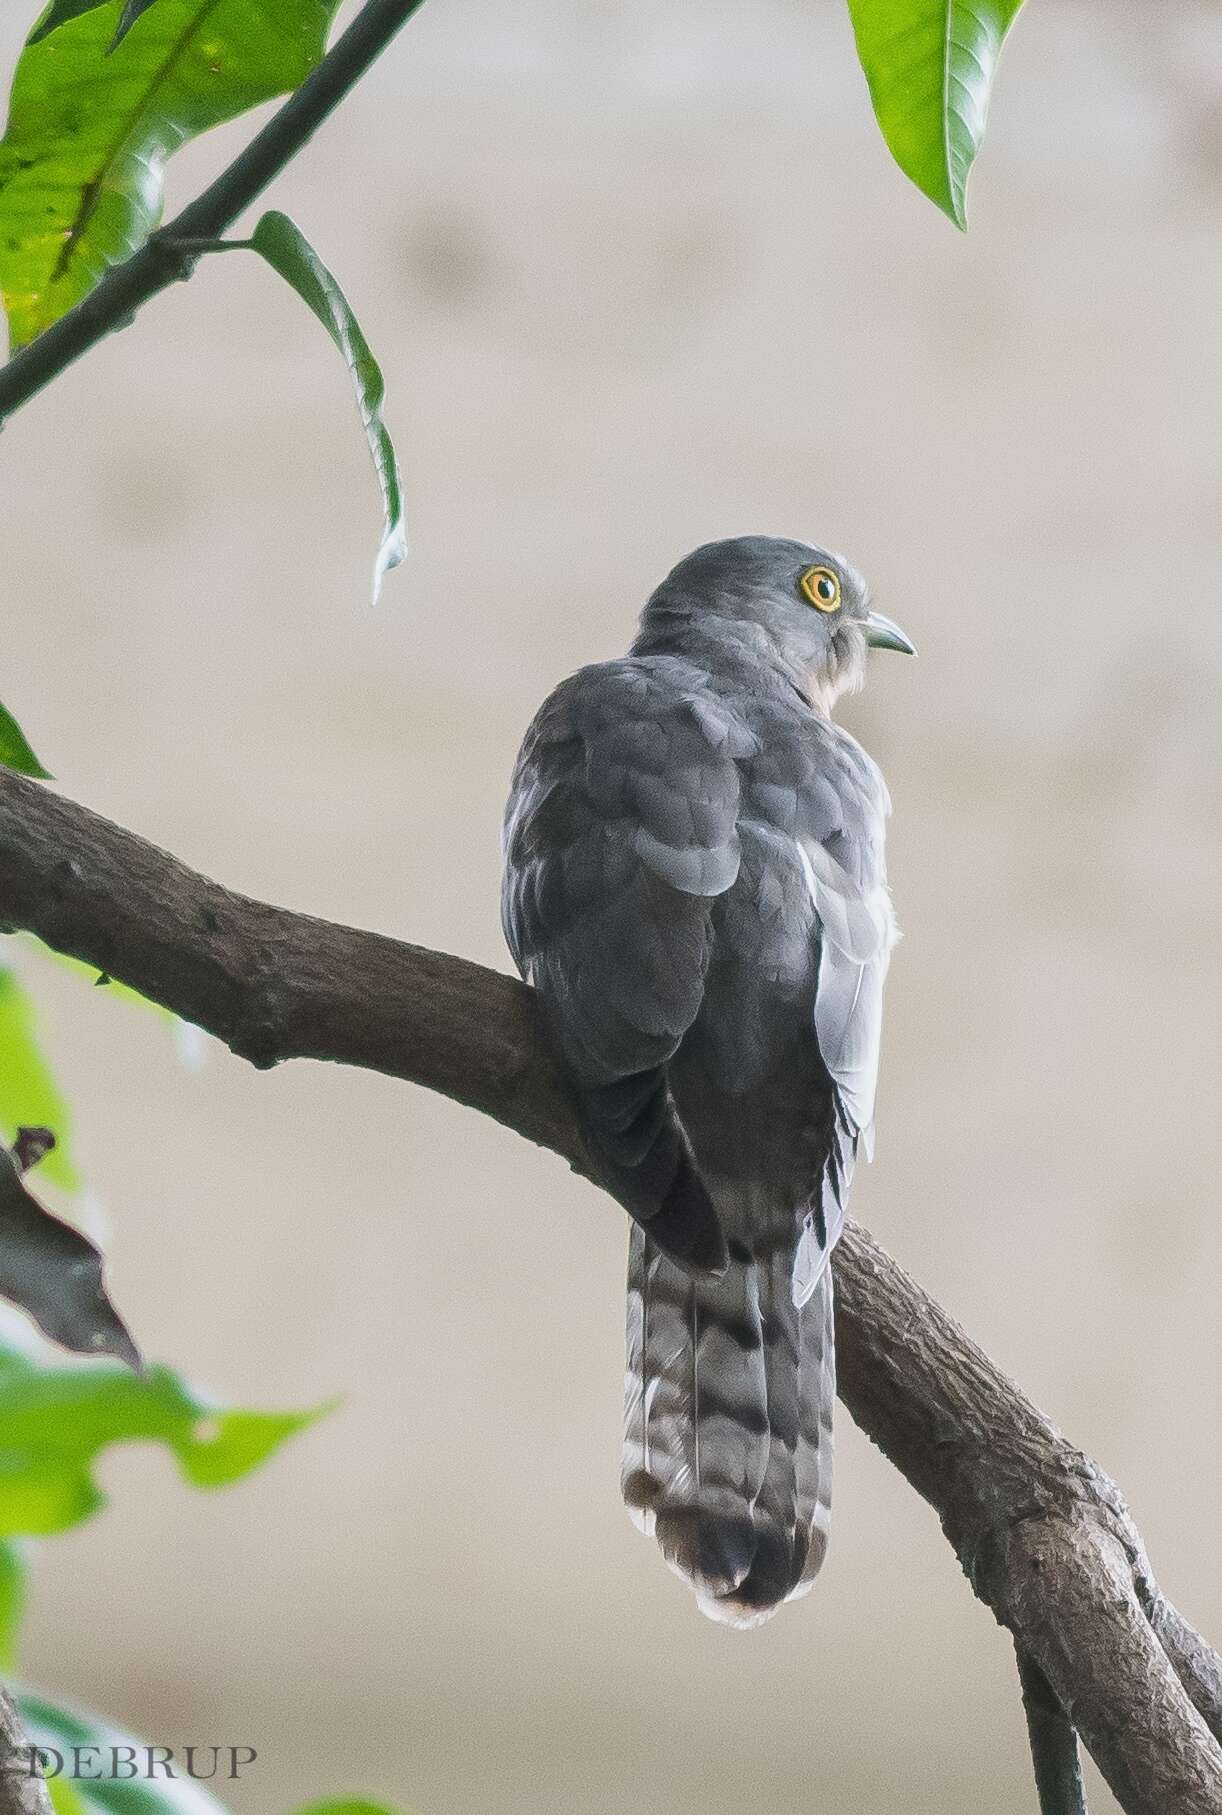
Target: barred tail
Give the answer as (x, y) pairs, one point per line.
(817, 1397)
(727, 1431)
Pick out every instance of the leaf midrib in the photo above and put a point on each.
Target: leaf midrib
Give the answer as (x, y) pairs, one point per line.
(92, 191)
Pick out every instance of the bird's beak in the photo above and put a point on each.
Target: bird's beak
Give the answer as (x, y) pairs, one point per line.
(881, 633)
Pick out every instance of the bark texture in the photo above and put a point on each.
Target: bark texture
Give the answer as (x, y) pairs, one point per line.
(22, 1790)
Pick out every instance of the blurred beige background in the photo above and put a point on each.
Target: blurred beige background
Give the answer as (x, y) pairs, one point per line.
(641, 275)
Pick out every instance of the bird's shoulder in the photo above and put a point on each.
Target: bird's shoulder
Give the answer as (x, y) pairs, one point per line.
(633, 699)
(810, 780)
(627, 781)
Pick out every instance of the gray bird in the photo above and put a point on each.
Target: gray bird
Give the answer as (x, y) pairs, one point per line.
(694, 884)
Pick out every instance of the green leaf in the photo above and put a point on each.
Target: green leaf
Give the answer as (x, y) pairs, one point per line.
(55, 1420)
(89, 132)
(29, 1095)
(930, 67)
(59, 13)
(287, 251)
(66, 1797)
(12, 1602)
(132, 10)
(346, 1805)
(15, 752)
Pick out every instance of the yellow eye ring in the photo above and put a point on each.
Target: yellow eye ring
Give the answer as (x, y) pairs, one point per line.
(821, 588)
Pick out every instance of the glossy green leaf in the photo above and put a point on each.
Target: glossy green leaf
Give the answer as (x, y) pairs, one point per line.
(55, 1420)
(90, 128)
(59, 13)
(15, 751)
(930, 66)
(132, 10)
(29, 1095)
(287, 251)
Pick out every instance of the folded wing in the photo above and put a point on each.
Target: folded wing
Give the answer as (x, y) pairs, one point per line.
(621, 831)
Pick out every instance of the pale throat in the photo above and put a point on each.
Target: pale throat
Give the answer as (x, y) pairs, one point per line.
(823, 687)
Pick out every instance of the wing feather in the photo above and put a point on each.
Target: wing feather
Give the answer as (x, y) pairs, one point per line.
(621, 830)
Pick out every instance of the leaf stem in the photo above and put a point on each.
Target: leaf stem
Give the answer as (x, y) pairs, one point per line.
(168, 256)
(193, 246)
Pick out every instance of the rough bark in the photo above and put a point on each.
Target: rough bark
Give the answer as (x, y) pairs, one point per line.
(1043, 1535)
(23, 1791)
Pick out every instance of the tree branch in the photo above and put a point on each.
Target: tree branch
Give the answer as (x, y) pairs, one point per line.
(23, 1789)
(1043, 1535)
(168, 255)
(1054, 1744)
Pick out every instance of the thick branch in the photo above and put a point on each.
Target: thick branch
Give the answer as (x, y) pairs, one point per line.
(162, 261)
(1043, 1535)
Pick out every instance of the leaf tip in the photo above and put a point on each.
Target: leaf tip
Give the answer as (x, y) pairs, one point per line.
(392, 554)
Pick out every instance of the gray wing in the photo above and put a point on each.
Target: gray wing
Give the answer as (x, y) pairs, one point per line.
(621, 830)
(825, 795)
(857, 931)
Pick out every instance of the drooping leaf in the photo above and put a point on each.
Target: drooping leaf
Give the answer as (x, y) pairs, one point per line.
(82, 160)
(15, 751)
(287, 251)
(930, 66)
(55, 1420)
(51, 1270)
(29, 1095)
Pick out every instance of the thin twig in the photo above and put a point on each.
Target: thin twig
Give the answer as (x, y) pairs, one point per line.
(1054, 1744)
(169, 255)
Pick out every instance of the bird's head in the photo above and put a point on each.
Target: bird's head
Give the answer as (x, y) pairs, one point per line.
(786, 599)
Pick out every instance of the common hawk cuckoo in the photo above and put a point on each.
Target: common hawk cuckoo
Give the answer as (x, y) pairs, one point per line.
(694, 884)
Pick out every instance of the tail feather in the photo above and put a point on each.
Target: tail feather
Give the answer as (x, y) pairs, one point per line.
(776, 1517)
(817, 1396)
(727, 1438)
(695, 1425)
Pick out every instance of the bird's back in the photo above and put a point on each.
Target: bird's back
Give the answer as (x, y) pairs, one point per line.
(749, 1078)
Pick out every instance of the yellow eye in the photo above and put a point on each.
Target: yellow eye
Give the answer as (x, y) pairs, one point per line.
(821, 587)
